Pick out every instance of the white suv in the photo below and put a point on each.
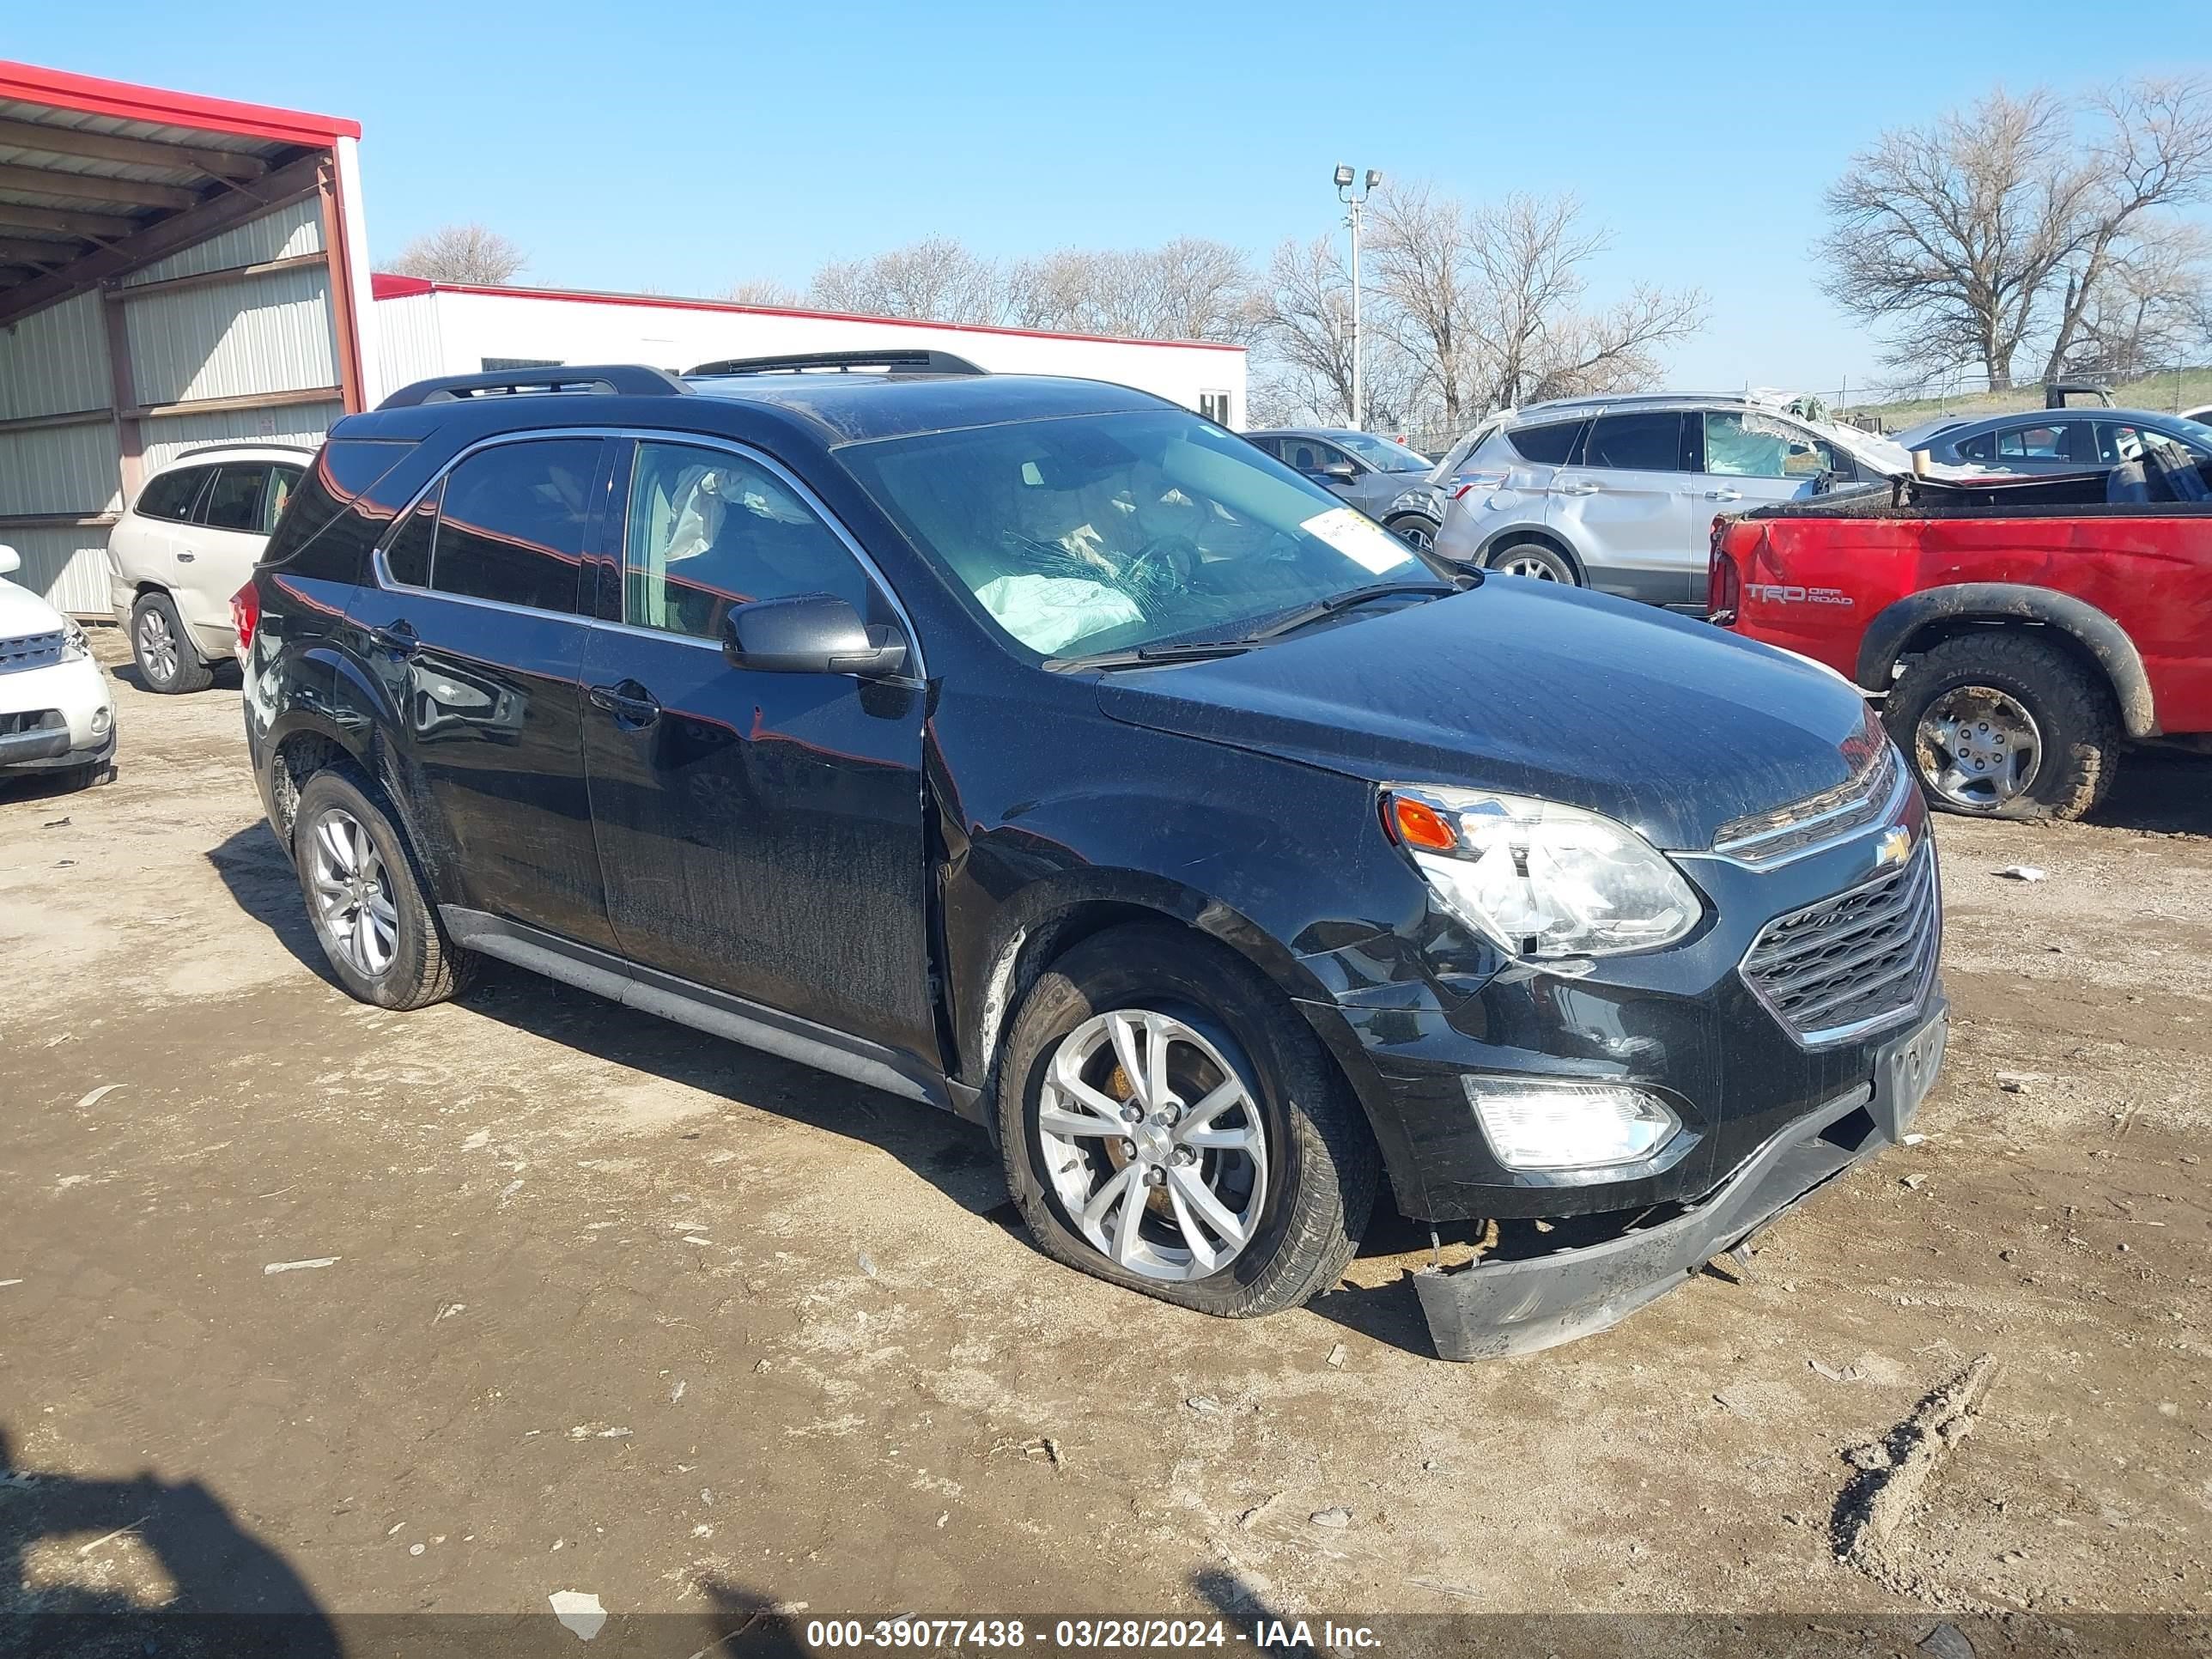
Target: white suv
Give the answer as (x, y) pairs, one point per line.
(56, 715)
(1619, 494)
(186, 545)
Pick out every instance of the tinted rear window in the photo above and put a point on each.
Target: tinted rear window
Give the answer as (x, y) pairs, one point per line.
(1549, 446)
(170, 495)
(512, 526)
(1636, 443)
(346, 469)
(234, 501)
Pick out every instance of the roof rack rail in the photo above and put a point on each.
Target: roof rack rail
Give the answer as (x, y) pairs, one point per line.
(897, 360)
(618, 380)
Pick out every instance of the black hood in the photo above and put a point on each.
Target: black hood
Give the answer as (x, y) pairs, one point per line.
(1670, 726)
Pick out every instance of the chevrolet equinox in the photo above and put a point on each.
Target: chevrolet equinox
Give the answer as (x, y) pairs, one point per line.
(1039, 751)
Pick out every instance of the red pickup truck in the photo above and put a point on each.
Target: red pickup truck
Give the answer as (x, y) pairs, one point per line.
(2020, 632)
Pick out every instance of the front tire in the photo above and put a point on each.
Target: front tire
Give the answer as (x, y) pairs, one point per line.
(167, 660)
(1536, 562)
(371, 914)
(1170, 1124)
(1999, 724)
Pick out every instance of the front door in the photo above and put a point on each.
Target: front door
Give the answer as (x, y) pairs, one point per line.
(761, 833)
(1625, 503)
(475, 629)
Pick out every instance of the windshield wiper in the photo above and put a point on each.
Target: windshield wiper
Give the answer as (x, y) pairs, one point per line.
(1147, 656)
(1322, 609)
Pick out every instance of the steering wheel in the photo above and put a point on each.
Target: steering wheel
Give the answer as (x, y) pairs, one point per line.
(1178, 555)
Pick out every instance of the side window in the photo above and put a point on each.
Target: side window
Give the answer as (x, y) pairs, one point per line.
(1268, 447)
(708, 530)
(1984, 448)
(407, 555)
(2116, 442)
(1303, 453)
(2046, 442)
(234, 501)
(282, 481)
(511, 525)
(1547, 445)
(170, 495)
(1636, 443)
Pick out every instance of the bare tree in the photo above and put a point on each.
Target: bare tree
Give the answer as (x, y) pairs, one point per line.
(2155, 152)
(1188, 288)
(1951, 236)
(761, 291)
(1486, 303)
(1304, 327)
(936, 279)
(462, 253)
(2146, 309)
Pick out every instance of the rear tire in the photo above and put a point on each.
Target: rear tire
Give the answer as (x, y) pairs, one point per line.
(1999, 724)
(368, 903)
(1537, 561)
(167, 661)
(1225, 1033)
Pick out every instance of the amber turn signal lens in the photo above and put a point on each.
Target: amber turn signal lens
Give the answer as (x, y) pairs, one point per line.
(1421, 825)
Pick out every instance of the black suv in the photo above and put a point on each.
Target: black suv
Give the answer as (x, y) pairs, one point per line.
(1037, 749)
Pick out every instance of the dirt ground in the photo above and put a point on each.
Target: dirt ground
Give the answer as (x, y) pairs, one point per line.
(451, 1310)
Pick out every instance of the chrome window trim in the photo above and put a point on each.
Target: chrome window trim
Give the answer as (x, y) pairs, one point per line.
(386, 582)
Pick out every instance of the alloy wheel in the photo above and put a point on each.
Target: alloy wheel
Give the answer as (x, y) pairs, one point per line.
(157, 645)
(1977, 747)
(1528, 565)
(353, 900)
(1416, 533)
(1155, 1144)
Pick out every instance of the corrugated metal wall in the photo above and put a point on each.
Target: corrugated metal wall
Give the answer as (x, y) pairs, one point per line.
(55, 363)
(408, 344)
(244, 337)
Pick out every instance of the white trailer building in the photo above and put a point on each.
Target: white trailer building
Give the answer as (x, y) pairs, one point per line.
(427, 328)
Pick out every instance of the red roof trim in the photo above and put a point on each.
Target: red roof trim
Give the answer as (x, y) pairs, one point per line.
(93, 96)
(387, 285)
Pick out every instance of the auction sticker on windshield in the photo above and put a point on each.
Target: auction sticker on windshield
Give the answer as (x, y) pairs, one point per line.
(1362, 541)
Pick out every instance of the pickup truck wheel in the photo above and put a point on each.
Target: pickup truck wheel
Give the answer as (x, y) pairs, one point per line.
(371, 914)
(166, 661)
(2003, 724)
(1168, 1123)
(1533, 560)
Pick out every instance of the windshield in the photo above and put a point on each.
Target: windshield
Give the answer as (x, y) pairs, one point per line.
(1104, 532)
(1380, 453)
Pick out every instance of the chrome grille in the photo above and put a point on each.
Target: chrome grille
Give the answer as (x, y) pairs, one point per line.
(1854, 963)
(30, 651)
(1871, 795)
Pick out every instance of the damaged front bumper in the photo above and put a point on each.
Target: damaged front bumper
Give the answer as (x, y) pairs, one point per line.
(1497, 1308)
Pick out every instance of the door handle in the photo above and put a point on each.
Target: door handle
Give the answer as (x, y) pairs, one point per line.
(1581, 487)
(1724, 494)
(400, 639)
(629, 702)
(186, 555)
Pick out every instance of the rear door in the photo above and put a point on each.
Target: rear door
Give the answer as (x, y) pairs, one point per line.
(216, 551)
(1625, 503)
(761, 833)
(476, 632)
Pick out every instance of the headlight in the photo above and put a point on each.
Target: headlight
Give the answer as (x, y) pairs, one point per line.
(1542, 879)
(75, 646)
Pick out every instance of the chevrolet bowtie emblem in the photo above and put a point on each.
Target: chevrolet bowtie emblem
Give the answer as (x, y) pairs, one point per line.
(1894, 847)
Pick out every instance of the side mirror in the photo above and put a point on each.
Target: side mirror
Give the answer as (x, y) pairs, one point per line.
(1338, 472)
(809, 634)
(10, 560)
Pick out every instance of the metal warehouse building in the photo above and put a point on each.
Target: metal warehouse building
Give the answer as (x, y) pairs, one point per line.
(174, 271)
(177, 271)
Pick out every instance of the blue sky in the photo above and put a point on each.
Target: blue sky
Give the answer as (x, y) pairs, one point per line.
(685, 145)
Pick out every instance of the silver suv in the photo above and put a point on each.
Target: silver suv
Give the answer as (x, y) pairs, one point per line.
(1619, 494)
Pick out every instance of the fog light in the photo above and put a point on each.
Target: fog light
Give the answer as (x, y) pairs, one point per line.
(1544, 1125)
(102, 720)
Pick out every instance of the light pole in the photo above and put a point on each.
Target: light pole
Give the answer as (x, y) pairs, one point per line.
(1354, 201)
